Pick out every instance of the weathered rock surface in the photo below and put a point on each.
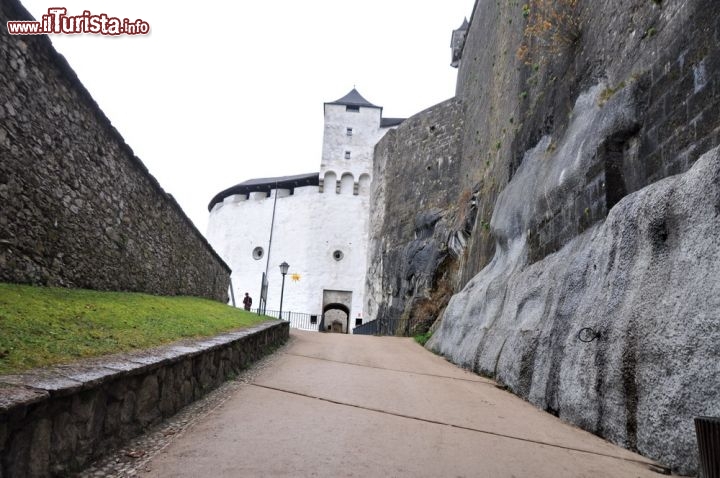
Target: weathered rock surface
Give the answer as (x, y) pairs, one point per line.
(645, 279)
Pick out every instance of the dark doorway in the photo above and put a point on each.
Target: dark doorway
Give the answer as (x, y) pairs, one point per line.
(336, 318)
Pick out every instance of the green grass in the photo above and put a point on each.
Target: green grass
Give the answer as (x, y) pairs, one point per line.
(45, 325)
(423, 338)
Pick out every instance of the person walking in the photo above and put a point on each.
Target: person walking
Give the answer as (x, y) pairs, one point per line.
(247, 301)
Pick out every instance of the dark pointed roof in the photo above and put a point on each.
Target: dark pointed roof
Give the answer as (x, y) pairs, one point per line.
(267, 185)
(353, 99)
(464, 25)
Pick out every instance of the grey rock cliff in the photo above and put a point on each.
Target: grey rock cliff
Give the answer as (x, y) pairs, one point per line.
(645, 279)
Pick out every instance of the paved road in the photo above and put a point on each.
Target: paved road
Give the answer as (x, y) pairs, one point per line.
(340, 405)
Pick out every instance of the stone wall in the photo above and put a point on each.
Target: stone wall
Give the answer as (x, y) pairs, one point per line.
(565, 213)
(79, 208)
(409, 229)
(660, 49)
(58, 420)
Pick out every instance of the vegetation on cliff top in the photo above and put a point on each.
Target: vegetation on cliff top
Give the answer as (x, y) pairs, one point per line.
(45, 325)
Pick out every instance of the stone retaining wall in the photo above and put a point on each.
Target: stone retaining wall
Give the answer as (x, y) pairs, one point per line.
(57, 420)
(79, 209)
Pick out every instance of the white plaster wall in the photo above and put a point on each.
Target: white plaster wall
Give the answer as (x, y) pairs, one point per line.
(347, 184)
(329, 182)
(366, 133)
(234, 230)
(309, 227)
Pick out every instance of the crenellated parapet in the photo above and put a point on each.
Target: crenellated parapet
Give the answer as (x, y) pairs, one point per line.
(316, 222)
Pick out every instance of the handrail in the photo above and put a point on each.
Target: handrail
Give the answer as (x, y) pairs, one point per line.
(298, 320)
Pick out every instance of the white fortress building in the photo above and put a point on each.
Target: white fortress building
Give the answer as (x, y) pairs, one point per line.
(316, 222)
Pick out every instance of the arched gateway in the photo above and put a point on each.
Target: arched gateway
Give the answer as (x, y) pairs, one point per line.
(336, 318)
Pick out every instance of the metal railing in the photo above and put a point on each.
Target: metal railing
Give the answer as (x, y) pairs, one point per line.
(298, 320)
(397, 327)
(707, 431)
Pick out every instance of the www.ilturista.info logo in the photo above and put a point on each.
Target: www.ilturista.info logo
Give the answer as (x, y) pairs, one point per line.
(57, 21)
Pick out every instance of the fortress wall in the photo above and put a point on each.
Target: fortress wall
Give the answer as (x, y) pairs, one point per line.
(309, 227)
(79, 209)
(416, 173)
(306, 191)
(662, 51)
(585, 205)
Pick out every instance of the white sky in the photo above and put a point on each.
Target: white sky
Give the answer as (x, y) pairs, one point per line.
(225, 91)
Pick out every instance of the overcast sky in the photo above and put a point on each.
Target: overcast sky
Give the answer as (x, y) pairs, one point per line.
(225, 91)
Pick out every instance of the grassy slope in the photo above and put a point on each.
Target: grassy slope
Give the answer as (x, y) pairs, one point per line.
(44, 325)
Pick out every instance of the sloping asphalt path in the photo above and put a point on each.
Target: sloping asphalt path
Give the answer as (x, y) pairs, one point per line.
(340, 405)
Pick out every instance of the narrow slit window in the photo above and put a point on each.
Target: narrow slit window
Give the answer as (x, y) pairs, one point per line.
(347, 154)
(349, 131)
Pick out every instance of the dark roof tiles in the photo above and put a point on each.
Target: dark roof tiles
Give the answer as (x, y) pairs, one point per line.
(353, 99)
(279, 179)
(267, 184)
(387, 122)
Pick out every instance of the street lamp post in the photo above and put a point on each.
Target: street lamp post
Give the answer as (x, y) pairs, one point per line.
(283, 270)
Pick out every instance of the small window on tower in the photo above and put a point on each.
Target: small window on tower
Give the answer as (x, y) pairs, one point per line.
(347, 154)
(352, 109)
(349, 131)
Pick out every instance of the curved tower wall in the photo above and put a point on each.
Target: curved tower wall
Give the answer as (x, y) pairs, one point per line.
(312, 223)
(309, 228)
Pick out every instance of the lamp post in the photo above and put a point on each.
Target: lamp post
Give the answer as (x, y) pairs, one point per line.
(283, 270)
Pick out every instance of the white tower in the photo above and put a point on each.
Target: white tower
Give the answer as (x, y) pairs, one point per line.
(319, 227)
(353, 126)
